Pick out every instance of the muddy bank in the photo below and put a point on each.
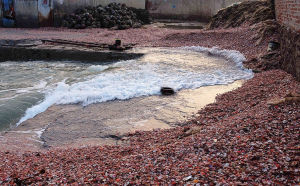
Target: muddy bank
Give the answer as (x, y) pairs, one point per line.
(107, 123)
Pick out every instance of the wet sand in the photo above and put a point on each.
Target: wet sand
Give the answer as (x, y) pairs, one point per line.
(106, 123)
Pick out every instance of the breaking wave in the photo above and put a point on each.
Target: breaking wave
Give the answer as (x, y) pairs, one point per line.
(144, 79)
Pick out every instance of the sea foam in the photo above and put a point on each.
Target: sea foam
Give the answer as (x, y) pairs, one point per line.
(144, 80)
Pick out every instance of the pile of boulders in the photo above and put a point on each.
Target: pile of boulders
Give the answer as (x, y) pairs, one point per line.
(114, 15)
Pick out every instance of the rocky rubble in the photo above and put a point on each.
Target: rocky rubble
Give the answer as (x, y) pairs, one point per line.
(252, 12)
(268, 61)
(265, 29)
(239, 140)
(114, 15)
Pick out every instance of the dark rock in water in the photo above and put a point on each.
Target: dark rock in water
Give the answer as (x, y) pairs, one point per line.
(167, 91)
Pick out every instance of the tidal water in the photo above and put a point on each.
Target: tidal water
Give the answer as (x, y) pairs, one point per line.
(29, 88)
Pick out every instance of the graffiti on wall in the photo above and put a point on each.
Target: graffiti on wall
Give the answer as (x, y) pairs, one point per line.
(8, 10)
(45, 8)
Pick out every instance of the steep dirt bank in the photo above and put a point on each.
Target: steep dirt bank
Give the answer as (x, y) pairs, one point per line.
(251, 12)
(260, 15)
(243, 138)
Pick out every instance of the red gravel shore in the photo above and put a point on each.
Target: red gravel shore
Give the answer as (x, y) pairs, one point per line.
(233, 39)
(239, 140)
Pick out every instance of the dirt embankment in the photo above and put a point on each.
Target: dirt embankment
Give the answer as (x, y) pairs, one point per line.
(252, 12)
(260, 15)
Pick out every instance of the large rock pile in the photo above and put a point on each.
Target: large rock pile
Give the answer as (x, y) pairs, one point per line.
(117, 16)
(252, 12)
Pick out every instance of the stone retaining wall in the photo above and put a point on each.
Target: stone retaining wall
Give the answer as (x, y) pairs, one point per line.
(290, 51)
(288, 13)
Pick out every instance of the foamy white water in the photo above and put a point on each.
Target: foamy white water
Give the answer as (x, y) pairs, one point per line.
(180, 68)
(231, 55)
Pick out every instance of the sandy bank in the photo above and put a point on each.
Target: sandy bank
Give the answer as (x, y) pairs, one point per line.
(104, 123)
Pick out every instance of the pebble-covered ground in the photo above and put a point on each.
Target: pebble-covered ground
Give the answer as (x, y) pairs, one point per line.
(239, 140)
(233, 38)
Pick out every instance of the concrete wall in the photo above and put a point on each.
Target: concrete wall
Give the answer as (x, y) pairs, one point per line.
(26, 13)
(187, 9)
(288, 13)
(62, 7)
(1, 15)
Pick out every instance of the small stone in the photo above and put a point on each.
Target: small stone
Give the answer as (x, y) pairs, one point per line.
(167, 91)
(188, 178)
